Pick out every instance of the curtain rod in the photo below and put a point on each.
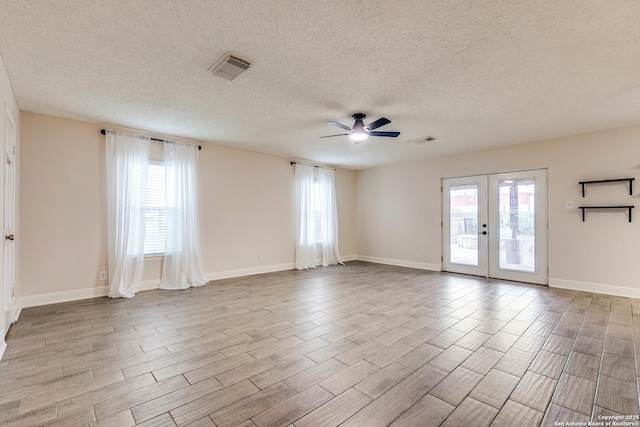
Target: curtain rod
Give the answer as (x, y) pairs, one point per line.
(308, 164)
(104, 132)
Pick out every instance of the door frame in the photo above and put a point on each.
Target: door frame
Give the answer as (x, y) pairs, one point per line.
(492, 267)
(9, 265)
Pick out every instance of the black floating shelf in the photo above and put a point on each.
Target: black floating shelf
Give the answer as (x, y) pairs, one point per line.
(609, 181)
(584, 208)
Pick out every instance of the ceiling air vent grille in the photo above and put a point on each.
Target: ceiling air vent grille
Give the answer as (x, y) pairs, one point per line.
(229, 67)
(422, 140)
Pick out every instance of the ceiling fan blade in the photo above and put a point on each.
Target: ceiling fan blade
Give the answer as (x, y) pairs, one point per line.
(389, 134)
(339, 134)
(380, 122)
(340, 125)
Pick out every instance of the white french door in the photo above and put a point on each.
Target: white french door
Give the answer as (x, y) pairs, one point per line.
(496, 225)
(465, 221)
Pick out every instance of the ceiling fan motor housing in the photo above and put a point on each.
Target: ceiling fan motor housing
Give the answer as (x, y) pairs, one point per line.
(358, 126)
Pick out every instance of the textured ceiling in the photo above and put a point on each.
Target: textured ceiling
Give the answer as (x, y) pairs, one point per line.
(473, 74)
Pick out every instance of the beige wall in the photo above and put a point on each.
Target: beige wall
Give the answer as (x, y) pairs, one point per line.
(246, 208)
(8, 105)
(63, 241)
(399, 206)
(346, 199)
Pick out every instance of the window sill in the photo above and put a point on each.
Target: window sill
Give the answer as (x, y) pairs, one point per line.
(153, 257)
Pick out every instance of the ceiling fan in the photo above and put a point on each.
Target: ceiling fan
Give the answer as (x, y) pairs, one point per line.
(359, 132)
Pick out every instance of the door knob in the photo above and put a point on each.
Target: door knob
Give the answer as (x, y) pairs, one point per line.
(484, 232)
(9, 237)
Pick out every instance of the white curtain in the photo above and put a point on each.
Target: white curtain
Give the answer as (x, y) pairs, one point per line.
(127, 161)
(316, 216)
(305, 217)
(328, 216)
(182, 267)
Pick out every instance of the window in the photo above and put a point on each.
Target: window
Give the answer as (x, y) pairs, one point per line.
(151, 210)
(156, 218)
(316, 216)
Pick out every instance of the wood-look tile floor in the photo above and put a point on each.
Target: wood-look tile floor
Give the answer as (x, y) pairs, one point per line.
(354, 345)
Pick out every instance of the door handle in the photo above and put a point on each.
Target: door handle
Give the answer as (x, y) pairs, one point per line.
(10, 237)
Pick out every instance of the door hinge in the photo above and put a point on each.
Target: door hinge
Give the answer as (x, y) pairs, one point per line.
(441, 259)
(13, 292)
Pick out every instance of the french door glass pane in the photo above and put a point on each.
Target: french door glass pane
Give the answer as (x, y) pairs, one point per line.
(517, 224)
(463, 219)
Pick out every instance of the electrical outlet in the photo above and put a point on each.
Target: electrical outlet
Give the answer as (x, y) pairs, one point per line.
(261, 258)
(418, 254)
(568, 204)
(103, 275)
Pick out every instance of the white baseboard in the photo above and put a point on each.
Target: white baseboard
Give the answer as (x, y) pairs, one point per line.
(80, 294)
(148, 285)
(66, 296)
(3, 347)
(229, 274)
(17, 310)
(598, 288)
(619, 291)
(401, 263)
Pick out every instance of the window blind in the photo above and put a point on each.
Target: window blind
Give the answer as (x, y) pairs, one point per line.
(318, 212)
(155, 231)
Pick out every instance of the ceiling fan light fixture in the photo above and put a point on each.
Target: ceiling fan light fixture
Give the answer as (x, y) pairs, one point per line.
(360, 132)
(358, 136)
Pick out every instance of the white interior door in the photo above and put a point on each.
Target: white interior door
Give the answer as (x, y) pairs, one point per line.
(9, 219)
(508, 240)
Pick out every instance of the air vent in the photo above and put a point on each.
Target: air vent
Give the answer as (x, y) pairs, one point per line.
(229, 67)
(422, 140)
